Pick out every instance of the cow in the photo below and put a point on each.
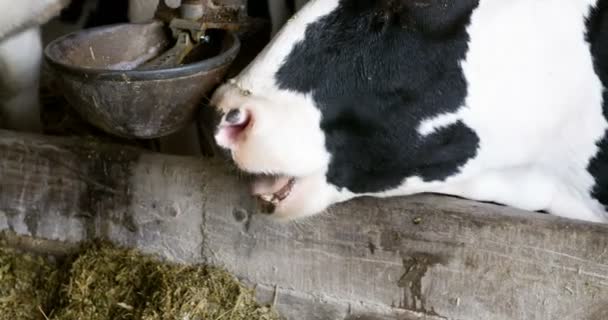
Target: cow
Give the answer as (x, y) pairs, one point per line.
(488, 100)
(21, 47)
(20, 59)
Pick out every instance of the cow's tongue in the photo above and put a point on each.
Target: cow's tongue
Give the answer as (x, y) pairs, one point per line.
(272, 188)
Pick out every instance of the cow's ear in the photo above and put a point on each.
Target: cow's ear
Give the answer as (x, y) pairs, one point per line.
(430, 16)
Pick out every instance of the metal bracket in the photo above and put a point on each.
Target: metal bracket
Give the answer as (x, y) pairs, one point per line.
(197, 29)
(174, 56)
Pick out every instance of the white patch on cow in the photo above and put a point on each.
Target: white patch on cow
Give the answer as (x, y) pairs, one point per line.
(530, 188)
(309, 196)
(20, 59)
(280, 136)
(429, 126)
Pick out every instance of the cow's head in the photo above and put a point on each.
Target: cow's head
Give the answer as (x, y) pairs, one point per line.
(335, 106)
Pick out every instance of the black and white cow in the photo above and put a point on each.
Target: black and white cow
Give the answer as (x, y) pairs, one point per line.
(490, 100)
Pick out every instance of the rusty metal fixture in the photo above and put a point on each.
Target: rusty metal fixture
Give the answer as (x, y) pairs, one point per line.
(217, 14)
(192, 9)
(96, 69)
(197, 29)
(172, 57)
(173, 4)
(189, 30)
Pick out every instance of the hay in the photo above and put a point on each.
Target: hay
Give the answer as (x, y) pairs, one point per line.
(27, 284)
(106, 282)
(203, 293)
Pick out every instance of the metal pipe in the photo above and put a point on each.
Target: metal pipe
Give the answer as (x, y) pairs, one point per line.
(191, 9)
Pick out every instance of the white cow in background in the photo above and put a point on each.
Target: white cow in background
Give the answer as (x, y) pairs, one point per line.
(20, 58)
(19, 74)
(21, 55)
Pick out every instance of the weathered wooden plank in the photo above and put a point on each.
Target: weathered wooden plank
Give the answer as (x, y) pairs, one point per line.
(424, 257)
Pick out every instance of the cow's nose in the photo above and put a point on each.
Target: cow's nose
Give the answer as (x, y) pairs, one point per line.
(233, 124)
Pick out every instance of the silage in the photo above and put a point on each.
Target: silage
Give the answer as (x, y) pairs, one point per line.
(28, 283)
(106, 282)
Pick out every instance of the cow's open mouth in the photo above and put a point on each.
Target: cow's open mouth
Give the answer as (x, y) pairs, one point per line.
(273, 189)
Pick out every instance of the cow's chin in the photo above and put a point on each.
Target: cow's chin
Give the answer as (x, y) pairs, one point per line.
(285, 198)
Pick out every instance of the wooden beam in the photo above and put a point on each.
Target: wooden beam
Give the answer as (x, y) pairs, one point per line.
(423, 257)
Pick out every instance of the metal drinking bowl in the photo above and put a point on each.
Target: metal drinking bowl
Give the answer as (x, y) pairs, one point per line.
(96, 69)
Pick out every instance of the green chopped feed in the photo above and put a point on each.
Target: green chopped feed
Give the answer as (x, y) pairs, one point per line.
(27, 285)
(203, 293)
(107, 282)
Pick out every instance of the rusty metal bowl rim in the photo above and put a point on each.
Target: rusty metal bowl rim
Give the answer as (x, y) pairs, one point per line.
(135, 75)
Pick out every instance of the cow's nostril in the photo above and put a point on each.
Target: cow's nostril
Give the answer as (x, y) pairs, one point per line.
(232, 116)
(235, 117)
(233, 124)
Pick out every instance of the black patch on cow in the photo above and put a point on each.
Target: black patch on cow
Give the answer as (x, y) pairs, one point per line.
(376, 70)
(597, 33)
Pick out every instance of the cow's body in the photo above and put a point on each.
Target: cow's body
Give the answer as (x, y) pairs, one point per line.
(20, 59)
(490, 100)
(21, 49)
(20, 56)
